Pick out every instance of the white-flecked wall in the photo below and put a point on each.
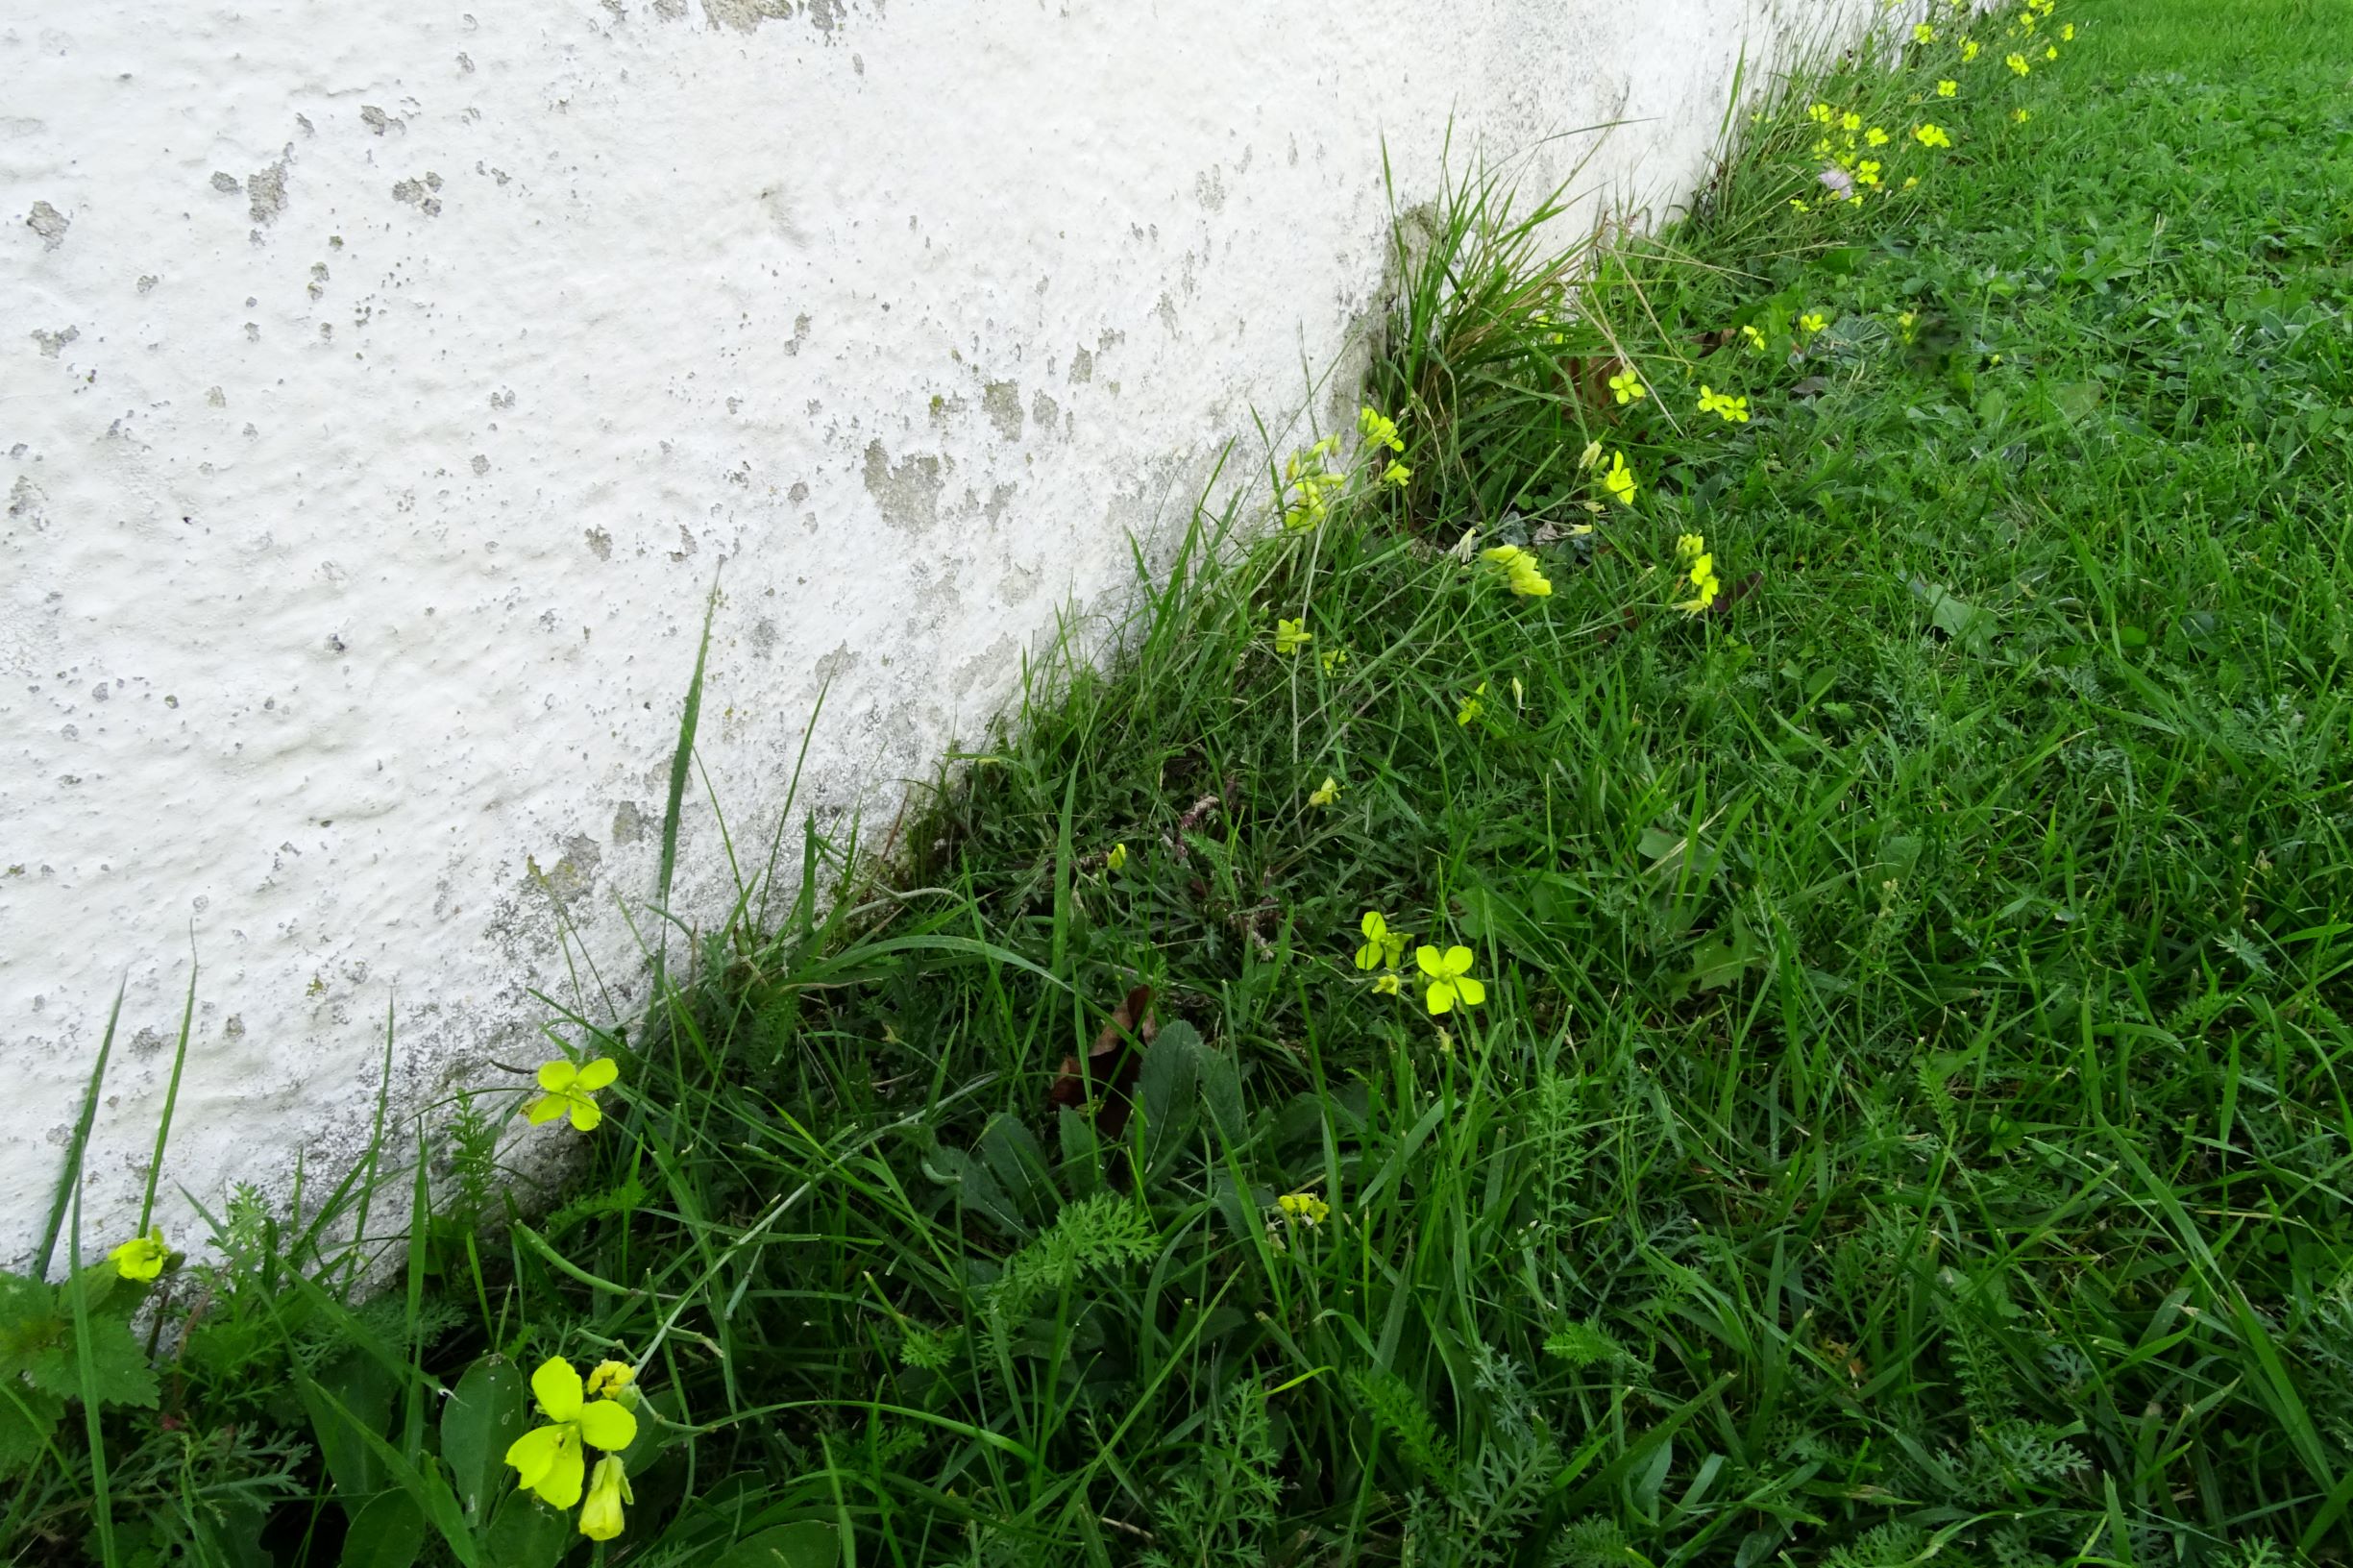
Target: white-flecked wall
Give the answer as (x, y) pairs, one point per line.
(382, 387)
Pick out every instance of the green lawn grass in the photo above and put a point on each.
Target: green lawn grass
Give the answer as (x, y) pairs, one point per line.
(1906, 1112)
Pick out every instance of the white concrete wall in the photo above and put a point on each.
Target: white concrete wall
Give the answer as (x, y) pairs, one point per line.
(382, 386)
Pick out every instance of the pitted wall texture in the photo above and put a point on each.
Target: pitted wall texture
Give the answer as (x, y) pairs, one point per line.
(386, 386)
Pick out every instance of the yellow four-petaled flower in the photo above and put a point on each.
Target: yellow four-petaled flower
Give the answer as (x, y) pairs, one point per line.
(1291, 636)
(1325, 792)
(1447, 978)
(143, 1257)
(1381, 946)
(1733, 410)
(1619, 481)
(571, 1089)
(548, 1460)
(1625, 386)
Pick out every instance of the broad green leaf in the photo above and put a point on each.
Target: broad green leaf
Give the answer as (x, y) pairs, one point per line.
(387, 1533)
(1167, 1086)
(28, 1415)
(363, 1389)
(487, 1412)
(809, 1544)
(526, 1534)
(118, 1365)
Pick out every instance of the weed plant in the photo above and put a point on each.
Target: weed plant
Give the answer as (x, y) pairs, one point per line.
(1729, 946)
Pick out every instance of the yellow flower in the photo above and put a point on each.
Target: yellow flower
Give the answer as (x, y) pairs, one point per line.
(2051, 52)
(1303, 1206)
(2020, 116)
(1396, 474)
(1946, 88)
(1821, 114)
(1447, 975)
(548, 1459)
(2067, 33)
(1704, 585)
(1799, 204)
(1379, 430)
(1876, 137)
(607, 1490)
(611, 1380)
(1689, 546)
(1381, 946)
(1627, 386)
(571, 1089)
(1619, 481)
(1922, 33)
(1116, 860)
(1388, 985)
(1866, 172)
(1907, 324)
(1910, 180)
(1325, 792)
(1472, 706)
(143, 1257)
(1850, 121)
(1756, 339)
(1291, 636)
(1931, 135)
(2017, 64)
(1331, 658)
(1814, 321)
(1968, 50)
(1733, 410)
(1524, 575)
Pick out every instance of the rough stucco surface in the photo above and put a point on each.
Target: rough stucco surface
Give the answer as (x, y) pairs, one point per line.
(384, 388)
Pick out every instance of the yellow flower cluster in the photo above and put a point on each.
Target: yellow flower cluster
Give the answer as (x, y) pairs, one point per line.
(1304, 1208)
(1732, 410)
(1700, 571)
(549, 1461)
(1310, 485)
(1522, 572)
(1380, 436)
(1291, 636)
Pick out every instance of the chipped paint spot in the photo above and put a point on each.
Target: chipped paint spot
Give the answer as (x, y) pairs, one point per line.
(1001, 402)
(50, 224)
(265, 190)
(51, 342)
(744, 15)
(908, 492)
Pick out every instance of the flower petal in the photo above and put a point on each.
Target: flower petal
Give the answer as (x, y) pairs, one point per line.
(598, 1073)
(556, 1076)
(560, 1487)
(1372, 925)
(584, 1114)
(557, 1386)
(1470, 990)
(534, 1453)
(546, 1108)
(608, 1425)
(1457, 961)
(1425, 959)
(1440, 997)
